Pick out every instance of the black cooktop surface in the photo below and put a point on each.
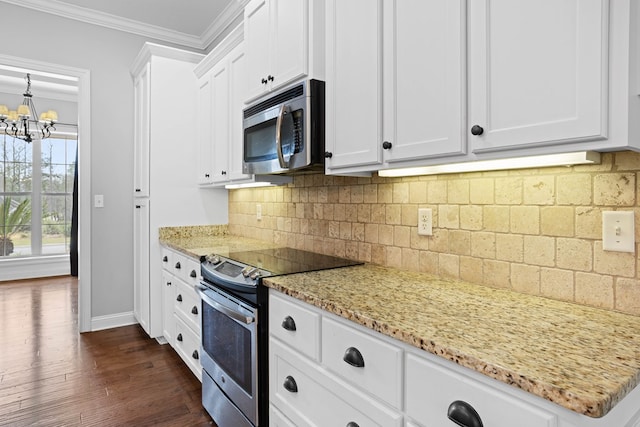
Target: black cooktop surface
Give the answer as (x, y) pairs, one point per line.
(288, 260)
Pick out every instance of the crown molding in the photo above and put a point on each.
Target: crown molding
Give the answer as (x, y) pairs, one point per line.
(114, 22)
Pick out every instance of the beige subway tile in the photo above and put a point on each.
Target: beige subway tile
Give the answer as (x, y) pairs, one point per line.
(351, 249)
(345, 194)
(357, 194)
(410, 259)
(615, 189)
(471, 269)
(345, 230)
(539, 190)
(627, 161)
(509, 247)
(574, 254)
(417, 241)
(351, 212)
(594, 290)
(378, 213)
(333, 195)
(460, 242)
(327, 212)
(439, 242)
(418, 192)
(589, 222)
(401, 192)
(370, 193)
(525, 219)
(339, 211)
(449, 265)
(471, 217)
(458, 191)
(525, 278)
(540, 250)
(334, 230)
(428, 262)
(385, 193)
(393, 214)
(409, 215)
(371, 233)
(385, 234)
(364, 252)
(481, 191)
(496, 273)
(394, 257)
(357, 231)
(483, 245)
(557, 221)
(448, 216)
(379, 254)
(556, 284)
(318, 211)
(613, 263)
(401, 236)
(496, 218)
(437, 191)
(313, 194)
(508, 190)
(364, 213)
(627, 296)
(339, 248)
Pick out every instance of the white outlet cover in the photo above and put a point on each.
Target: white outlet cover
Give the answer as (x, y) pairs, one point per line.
(618, 231)
(425, 222)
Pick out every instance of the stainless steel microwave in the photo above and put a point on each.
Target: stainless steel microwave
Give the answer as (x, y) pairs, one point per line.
(284, 133)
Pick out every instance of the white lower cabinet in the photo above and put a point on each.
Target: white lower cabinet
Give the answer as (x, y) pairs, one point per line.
(181, 307)
(316, 378)
(433, 390)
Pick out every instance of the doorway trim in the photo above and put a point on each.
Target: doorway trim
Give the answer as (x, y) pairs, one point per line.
(84, 175)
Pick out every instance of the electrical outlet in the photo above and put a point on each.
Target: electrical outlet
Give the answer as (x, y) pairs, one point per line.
(259, 212)
(425, 222)
(98, 201)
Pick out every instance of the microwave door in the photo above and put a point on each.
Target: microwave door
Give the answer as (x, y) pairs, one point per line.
(283, 147)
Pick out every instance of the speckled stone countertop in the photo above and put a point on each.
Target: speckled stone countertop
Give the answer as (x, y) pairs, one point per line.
(581, 358)
(199, 241)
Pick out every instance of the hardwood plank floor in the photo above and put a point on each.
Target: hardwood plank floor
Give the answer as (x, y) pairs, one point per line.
(52, 376)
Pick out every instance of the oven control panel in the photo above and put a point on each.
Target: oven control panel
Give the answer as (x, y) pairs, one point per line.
(220, 270)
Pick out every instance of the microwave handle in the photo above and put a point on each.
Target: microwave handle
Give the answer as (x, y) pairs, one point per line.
(284, 164)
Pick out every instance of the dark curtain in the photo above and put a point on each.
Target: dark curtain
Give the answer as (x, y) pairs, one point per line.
(73, 256)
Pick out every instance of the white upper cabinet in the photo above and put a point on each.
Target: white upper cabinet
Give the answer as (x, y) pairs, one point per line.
(237, 69)
(282, 37)
(424, 75)
(204, 131)
(354, 85)
(220, 120)
(141, 107)
(538, 72)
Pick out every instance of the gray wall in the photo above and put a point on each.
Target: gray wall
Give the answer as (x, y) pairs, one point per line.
(108, 54)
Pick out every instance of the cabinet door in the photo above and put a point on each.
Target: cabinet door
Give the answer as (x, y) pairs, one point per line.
(168, 299)
(257, 37)
(141, 122)
(424, 91)
(220, 120)
(354, 83)
(141, 291)
(237, 95)
(537, 72)
(204, 138)
(290, 41)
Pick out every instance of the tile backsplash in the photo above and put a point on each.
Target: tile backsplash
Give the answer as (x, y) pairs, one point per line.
(536, 231)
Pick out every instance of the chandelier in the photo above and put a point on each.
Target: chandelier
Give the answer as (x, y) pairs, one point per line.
(21, 123)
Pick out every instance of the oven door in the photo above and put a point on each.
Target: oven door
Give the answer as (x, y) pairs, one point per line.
(229, 352)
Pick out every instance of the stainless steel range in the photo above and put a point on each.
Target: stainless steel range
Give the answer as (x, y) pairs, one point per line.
(235, 330)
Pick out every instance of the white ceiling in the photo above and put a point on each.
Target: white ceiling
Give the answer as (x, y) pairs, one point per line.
(192, 23)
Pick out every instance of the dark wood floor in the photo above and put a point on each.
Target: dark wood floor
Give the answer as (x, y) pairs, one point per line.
(52, 376)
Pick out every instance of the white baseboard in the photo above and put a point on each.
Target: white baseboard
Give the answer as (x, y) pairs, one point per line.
(113, 321)
(34, 267)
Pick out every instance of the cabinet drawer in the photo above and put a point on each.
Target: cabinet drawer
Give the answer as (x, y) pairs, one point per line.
(277, 418)
(432, 388)
(339, 405)
(191, 271)
(295, 325)
(381, 374)
(188, 347)
(188, 306)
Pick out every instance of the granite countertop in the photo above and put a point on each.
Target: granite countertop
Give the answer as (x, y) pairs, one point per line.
(581, 358)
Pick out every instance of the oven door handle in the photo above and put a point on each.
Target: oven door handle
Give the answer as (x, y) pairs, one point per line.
(226, 310)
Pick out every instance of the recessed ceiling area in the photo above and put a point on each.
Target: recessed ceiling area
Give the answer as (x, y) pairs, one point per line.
(192, 23)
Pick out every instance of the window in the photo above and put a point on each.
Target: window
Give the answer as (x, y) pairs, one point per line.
(36, 187)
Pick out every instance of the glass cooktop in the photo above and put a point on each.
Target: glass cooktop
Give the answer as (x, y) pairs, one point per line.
(288, 260)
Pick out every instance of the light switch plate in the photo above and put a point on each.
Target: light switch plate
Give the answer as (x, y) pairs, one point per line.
(618, 231)
(259, 212)
(98, 201)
